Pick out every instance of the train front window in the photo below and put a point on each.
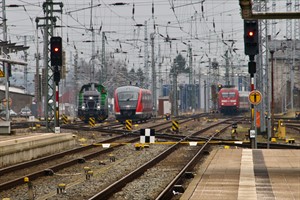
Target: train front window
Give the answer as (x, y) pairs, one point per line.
(90, 101)
(128, 96)
(228, 94)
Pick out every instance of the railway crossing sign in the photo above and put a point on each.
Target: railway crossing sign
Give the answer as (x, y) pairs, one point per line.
(255, 97)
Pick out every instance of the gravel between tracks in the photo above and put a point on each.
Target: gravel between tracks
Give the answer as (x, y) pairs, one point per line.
(77, 187)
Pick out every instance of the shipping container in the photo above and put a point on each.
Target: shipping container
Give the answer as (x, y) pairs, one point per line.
(189, 97)
(166, 90)
(164, 106)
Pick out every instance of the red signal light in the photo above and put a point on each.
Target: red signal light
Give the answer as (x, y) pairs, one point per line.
(56, 51)
(250, 33)
(251, 39)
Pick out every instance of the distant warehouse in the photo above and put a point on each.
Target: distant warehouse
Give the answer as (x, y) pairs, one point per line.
(18, 98)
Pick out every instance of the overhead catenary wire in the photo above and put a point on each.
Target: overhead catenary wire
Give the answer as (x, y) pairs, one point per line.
(118, 17)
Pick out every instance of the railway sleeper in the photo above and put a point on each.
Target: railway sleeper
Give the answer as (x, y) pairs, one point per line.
(49, 172)
(189, 175)
(178, 189)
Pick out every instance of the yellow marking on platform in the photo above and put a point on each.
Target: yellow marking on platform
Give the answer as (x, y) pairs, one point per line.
(171, 143)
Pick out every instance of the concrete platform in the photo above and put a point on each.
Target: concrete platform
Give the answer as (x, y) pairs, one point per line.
(247, 174)
(15, 149)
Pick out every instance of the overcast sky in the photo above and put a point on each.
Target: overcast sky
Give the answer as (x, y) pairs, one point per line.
(210, 26)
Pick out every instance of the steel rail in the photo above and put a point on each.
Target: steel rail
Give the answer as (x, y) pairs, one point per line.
(118, 185)
(55, 168)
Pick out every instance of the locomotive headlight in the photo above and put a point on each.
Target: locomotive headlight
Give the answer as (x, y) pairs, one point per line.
(83, 107)
(98, 107)
(90, 98)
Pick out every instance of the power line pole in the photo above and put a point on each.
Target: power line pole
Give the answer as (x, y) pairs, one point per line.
(93, 45)
(37, 76)
(146, 56)
(289, 53)
(191, 83)
(226, 68)
(153, 74)
(199, 86)
(174, 88)
(160, 72)
(103, 65)
(25, 67)
(76, 80)
(5, 65)
(190, 65)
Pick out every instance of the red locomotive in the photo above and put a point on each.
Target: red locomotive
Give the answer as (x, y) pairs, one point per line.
(228, 99)
(133, 103)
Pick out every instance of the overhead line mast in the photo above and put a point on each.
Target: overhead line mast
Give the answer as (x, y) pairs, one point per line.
(50, 89)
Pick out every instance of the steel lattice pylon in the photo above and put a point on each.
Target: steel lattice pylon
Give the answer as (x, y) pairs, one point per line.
(262, 65)
(51, 114)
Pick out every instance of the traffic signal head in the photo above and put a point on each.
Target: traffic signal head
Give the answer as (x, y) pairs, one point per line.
(251, 37)
(56, 51)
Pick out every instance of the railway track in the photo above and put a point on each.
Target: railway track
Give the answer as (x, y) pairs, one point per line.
(13, 175)
(8, 173)
(94, 162)
(171, 157)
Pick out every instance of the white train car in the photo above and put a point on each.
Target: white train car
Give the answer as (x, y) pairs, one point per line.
(244, 101)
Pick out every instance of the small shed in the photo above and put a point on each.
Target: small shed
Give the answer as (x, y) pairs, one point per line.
(164, 105)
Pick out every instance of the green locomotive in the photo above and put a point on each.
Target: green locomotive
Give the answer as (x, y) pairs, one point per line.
(93, 102)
